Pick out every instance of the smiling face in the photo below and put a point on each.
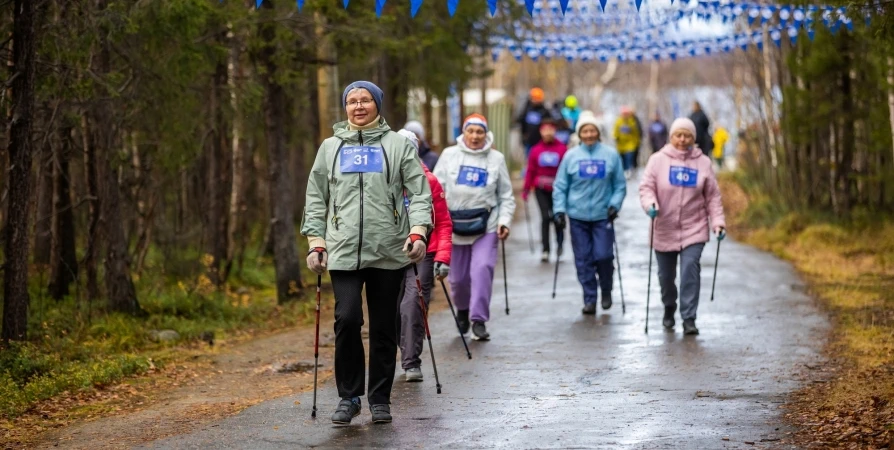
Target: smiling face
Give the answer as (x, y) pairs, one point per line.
(361, 107)
(589, 134)
(682, 139)
(474, 137)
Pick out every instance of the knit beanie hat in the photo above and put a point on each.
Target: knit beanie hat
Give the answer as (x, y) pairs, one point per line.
(373, 90)
(416, 127)
(587, 118)
(683, 123)
(475, 119)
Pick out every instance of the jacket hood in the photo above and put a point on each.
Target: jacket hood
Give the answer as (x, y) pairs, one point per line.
(488, 142)
(342, 132)
(692, 153)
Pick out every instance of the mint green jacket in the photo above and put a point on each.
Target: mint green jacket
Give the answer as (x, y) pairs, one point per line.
(362, 215)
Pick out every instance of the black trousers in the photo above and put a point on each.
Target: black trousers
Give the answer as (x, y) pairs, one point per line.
(383, 290)
(545, 202)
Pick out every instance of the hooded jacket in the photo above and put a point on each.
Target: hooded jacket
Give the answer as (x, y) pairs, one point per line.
(359, 214)
(495, 194)
(683, 185)
(627, 134)
(588, 199)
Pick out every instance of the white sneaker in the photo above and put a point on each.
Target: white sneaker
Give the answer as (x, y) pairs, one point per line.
(544, 257)
(414, 374)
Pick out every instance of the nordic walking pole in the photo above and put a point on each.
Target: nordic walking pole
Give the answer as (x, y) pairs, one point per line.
(505, 280)
(431, 350)
(313, 414)
(560, 238)
(452, 311)
(649, 284)
(528, 222)
(716, 259)
(620, 280)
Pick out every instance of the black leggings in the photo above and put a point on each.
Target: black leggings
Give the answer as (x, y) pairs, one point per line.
(383, 289)
(545, 202)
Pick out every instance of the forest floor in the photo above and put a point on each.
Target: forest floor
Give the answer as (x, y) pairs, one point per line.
(849, 401)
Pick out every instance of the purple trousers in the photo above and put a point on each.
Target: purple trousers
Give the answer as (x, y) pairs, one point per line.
(472, 276)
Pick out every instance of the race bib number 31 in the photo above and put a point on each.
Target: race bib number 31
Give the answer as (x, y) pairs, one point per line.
(592, 169)
(683, 176)
(361, 159)
(472, 176)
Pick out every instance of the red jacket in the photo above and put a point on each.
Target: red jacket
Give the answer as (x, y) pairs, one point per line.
(543, 164)
(441, 239)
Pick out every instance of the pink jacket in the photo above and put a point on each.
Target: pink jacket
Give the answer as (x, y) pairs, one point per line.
(684, 187)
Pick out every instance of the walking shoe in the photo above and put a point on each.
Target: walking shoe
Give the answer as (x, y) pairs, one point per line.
(347, 409)
(689, 327)
(544, 257)
(606, 299)
(462, 318)
(380, 413)
(414, 374)
(479, 332)
(668, 321)
(589, 308)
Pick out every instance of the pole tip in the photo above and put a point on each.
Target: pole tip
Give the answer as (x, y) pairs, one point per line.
(507, 311)
(439, 389)
(470, 356)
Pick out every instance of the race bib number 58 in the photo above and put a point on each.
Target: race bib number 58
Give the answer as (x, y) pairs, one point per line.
(683, 176)
(361, 159)
(472, 176)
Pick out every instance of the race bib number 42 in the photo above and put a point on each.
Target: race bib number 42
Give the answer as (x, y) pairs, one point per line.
(683, 176)
(361, 159)
(592, 169)
(472, 176)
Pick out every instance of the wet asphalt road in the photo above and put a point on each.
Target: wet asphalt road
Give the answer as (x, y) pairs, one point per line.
(553, 378)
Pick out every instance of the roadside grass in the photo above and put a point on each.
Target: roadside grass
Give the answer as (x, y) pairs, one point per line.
(849, 267)
(74, 346)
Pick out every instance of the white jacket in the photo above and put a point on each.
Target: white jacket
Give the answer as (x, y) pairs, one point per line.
(496, 194)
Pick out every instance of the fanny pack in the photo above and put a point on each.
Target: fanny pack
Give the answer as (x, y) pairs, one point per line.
(470, 222)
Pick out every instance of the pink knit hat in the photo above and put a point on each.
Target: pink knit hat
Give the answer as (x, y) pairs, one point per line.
(683, 123)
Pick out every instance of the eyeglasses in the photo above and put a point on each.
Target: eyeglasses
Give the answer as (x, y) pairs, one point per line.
(364, 103)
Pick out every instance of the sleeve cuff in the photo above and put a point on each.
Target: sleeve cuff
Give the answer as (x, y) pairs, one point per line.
(314, 241)
(418, 229)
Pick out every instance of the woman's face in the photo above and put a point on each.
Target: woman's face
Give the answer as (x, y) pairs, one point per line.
(682, 139)
(548, 133)
(589, 134)
(474, 137)
(361, 107)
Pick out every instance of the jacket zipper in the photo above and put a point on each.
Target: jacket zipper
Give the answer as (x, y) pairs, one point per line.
(360, 244)
(388, 184)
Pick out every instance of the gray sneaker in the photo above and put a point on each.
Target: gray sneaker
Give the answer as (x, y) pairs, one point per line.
(414, 374)
(479, 332)
(589, 308)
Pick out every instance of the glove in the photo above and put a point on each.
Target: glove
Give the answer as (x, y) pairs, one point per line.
(503, 233)
(653, 211)
(415, 248)
(441, 270)
(525, 196)
(317, 258)
(612, 213)
(560, 221)
(720, 232)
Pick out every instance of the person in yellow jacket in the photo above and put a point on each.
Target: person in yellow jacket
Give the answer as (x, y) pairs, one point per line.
(627, 139)
(721, 136)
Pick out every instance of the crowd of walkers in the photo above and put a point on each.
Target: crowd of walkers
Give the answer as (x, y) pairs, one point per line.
(388, 217)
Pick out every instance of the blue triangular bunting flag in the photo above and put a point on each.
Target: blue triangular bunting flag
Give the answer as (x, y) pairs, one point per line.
(491, 5)
(529, 5)
(564, 5)
(414, 7)
(451, 6)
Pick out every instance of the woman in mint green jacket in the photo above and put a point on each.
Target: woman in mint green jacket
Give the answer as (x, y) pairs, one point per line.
(358, 229)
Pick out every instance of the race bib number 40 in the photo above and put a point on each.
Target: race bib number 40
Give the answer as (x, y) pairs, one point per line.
(548, 159)
(361, 159)
(472, 176)
(683, 176)
(592, 169)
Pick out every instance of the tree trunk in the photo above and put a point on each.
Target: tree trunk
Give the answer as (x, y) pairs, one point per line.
(444, 122)
(328, 99)
(63, 261)
(122, 296)
(91, 174)
(43, 235)
(285, 252)
(428, 119)
(216, 214)
(237, 196)
(15, 273)
(603, 81)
